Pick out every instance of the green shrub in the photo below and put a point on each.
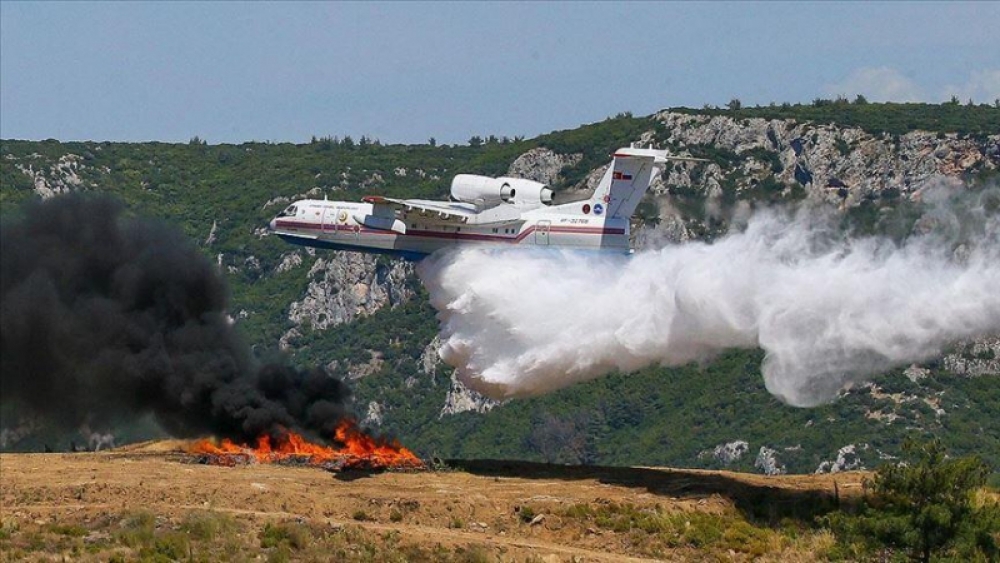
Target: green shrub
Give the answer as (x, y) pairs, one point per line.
(994, 481)
(171, 546)
(282, 554)
(296, 536)
(72, 530)
(7, 529)
(526, 514)
(922, 506)
(137, 529)
(842, 147)
(140, 520)
(474, 554)
(205, 525)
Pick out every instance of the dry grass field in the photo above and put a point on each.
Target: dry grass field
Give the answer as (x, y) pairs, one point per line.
(155, 503)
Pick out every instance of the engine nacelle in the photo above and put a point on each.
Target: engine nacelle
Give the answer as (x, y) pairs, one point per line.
(484, 191)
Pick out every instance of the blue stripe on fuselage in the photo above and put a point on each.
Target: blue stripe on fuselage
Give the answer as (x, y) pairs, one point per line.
(414, 256)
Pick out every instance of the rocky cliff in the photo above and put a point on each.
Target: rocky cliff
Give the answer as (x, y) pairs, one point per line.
(842, 166)
(346, 285)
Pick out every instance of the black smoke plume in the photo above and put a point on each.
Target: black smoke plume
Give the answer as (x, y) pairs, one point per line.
(105, 316)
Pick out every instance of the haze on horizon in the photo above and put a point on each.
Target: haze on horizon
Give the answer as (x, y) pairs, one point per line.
(406, 72)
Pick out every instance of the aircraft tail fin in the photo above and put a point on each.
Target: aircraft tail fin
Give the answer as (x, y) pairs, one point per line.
(627, 179)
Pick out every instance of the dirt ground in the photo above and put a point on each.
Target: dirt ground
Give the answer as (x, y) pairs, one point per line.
(87, 506)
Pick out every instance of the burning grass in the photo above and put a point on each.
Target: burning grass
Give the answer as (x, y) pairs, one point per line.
(355, 450)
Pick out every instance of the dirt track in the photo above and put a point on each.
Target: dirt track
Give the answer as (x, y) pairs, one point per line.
(512, 510)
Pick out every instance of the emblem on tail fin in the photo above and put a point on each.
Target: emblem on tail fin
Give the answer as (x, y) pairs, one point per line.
(631, 172)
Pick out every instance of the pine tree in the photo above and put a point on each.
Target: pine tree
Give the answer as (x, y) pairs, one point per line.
(925, 506)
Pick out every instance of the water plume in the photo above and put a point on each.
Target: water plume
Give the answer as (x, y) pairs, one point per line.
(829, 310)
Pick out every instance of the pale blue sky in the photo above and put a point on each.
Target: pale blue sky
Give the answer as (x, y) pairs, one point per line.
(406, 71)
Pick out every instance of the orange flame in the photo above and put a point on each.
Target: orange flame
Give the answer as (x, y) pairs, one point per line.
(359, 450)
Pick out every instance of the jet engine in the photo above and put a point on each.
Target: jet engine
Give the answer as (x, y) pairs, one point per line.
(484, 191)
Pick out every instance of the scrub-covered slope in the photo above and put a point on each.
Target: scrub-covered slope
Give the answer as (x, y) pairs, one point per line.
(367, 319)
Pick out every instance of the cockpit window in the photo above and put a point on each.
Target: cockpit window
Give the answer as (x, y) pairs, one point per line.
(288, 212)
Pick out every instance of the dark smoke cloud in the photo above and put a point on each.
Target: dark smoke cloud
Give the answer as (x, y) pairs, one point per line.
(104, 315)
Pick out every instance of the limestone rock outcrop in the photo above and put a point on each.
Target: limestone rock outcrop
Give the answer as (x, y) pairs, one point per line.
(346, 285)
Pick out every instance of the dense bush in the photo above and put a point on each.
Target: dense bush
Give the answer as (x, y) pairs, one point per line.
(923, 506)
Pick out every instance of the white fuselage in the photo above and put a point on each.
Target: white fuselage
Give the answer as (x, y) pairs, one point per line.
(502, 211)
(355, 226)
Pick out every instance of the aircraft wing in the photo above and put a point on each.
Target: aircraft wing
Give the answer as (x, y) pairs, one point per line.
(445, 212)
(440, 211)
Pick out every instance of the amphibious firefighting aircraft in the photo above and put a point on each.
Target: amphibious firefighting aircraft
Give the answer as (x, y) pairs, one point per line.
(485, 211)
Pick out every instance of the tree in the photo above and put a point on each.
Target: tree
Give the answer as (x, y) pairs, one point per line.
(559, 438)
(924, 506)
(647, 212)
(735, 104)
(475, 141)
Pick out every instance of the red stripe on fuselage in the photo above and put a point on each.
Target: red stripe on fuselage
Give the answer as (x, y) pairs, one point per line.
(588, 230)
(453, 235)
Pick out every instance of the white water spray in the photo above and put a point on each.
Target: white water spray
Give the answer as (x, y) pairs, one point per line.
(827, 310)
